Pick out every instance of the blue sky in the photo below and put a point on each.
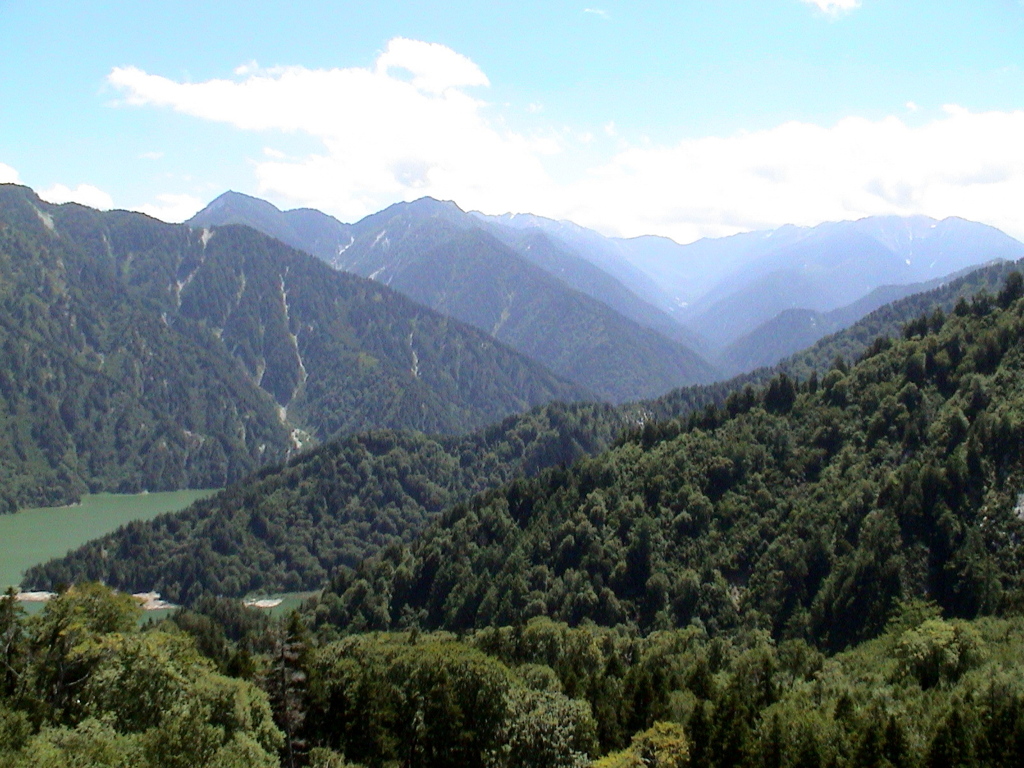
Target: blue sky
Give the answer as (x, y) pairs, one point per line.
(680, 118)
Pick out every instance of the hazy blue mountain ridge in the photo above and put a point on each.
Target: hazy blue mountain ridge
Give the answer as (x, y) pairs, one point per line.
(446, 259)
(602, 252)
(830, 266)
(741, 302)
(796, 329)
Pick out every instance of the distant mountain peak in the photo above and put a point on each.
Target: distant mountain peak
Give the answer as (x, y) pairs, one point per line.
(231, 199)
(427, 206)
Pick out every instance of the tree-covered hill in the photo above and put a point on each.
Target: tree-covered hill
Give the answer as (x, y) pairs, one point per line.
(98, 393)
(178, 358)
(274, 540)
(807, 509)
(292, 527)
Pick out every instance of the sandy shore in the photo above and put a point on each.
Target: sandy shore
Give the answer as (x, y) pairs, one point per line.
(263, 603)
(150, 601)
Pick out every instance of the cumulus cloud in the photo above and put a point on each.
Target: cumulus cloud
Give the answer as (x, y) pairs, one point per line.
(406, 127)
(85, 194)
(834, 7)
(8, 175)
(410, 126)
(435, 68)
(172, 208)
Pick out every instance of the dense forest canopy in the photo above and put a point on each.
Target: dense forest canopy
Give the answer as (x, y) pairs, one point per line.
(84, 685)
(808, 510)
(140, 355)
(290, 528)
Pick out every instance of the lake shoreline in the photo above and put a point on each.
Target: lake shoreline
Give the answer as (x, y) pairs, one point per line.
(148, 601)
(34, 536)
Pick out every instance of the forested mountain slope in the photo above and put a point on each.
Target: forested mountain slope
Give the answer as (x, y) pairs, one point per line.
(345, 354)
(181, 358)
(291, 527)
(434, 257)
(272, 522)
(524, 290)
(97, 392)
(810, 510)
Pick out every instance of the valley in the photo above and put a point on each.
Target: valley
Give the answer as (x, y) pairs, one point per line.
(493, 469)
(512, 385)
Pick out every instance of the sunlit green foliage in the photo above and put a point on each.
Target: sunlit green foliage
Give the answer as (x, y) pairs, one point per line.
(809, 510)
(925, 693)
(84, 686)
(663, 745)
(435, 702)
(291, 529)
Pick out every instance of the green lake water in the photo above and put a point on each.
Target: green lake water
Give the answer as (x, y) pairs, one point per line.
(34, 536)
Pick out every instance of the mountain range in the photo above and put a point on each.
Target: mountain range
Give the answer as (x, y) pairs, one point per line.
(733, 304)
(179, 357)
(725, 288)
(292, 526)
(813, 563)
(190, 355)
(525, 291)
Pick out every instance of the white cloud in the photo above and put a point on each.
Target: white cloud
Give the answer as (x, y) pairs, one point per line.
(435, 68)
(834, 7)
(8, 175)
(247, 68)
(962, 164)
(387, 136)
(172, 208)
(598, 12)
(151, 155)
(84, 194)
